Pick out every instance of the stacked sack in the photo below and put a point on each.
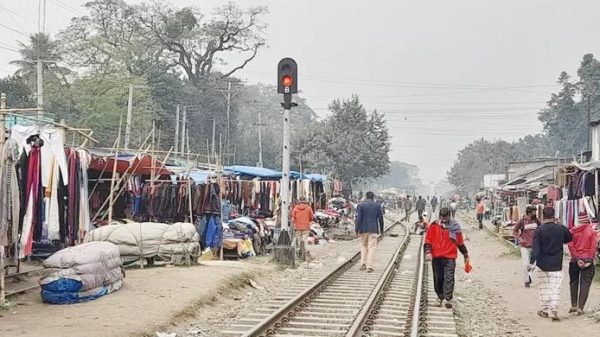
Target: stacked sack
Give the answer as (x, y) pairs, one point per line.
(82, 273)
(174, 243)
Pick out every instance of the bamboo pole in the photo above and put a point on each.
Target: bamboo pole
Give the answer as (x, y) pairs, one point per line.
(121, 178)
(100, 176)
(12, 112)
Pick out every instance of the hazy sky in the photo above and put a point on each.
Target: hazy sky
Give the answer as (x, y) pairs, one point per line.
(444, 72)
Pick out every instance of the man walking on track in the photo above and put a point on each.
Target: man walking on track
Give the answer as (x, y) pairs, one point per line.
(442, 240)
(407, 207)
(547, 255)
(480, 208)
(523, 231)
(581, 268)
(421, 203)
(434, 203)
(368, 219)
(302, 215)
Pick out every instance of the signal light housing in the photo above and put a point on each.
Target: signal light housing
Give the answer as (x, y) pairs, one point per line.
(287, 76)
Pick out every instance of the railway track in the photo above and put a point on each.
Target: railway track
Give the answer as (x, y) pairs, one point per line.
(352, 303)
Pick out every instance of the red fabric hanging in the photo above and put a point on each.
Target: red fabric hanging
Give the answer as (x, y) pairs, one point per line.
(33, 193)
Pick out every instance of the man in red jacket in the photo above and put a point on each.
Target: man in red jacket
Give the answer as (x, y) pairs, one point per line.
(443, 239)
(302, 215)
(581, 268)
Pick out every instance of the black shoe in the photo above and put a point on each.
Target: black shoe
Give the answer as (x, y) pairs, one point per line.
(528, 285)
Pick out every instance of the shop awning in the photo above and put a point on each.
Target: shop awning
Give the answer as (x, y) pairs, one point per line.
(316, 177)
(252, 172)
(199, 176)
(103, 160)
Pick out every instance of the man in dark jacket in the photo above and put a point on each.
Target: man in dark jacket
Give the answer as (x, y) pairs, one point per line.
(368, 219)
(421, 203)
(547, 255)
(442, 240)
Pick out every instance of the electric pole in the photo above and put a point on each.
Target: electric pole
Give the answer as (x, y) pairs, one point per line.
(130, 114)
(40, 86)
(228, 96)
(177, 129)
(183, 129)
(128, 120)
(214, 130)
(260, 158)
(228, 114)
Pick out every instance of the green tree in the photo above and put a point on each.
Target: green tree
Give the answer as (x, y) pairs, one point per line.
(589, 76)
(18, 93)
(564, 120)
(351, 143)
(40, 46)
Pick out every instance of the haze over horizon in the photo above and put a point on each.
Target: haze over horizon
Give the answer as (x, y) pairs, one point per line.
(445, 73)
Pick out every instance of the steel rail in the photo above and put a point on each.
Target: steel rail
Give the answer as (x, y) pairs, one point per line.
(355, 329)
(289, 309)
(416, 318)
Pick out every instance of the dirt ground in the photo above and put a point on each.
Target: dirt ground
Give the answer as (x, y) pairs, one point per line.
(149, 300)
(494, 302)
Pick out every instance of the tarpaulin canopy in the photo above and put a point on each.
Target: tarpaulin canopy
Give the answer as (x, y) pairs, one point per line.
(199, 176)
(254, 172)
(316, 177)
(251, 172)
(103, 160)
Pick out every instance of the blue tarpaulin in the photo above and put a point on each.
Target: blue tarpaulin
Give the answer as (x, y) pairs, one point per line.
(316, 177)
(254, 172)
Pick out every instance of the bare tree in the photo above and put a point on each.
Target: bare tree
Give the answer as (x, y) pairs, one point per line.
(195, 45)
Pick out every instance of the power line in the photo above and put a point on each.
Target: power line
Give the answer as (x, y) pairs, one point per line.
(12, 17)
(14, 30)
(6, 47)
(423, 85)
(67, 7)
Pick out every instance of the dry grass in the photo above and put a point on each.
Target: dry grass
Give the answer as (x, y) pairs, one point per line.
(238, 282)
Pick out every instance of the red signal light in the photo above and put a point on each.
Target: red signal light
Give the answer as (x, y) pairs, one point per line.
(287, 81)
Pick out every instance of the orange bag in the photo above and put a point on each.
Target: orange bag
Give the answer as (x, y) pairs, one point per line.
(468, 267)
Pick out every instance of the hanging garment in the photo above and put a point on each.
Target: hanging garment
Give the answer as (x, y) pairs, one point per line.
(73, 198)
(54, 143)
(84, 206)
(9, 194)
(32, 203)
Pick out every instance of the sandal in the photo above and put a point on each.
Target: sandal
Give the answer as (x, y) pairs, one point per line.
(542, 314)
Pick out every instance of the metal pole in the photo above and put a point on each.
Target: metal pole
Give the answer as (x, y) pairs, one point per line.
(285, 179)
(177, 129)
(260, 158)
(213, 136)
(40, 87)
(114, 173)
(228, 114)
(183, 129)
(2, 136)
(129, 113)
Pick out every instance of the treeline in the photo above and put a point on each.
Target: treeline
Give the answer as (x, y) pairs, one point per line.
(565, 131)
(175, 57)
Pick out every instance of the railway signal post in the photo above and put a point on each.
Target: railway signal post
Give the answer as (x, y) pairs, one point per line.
(287, 84)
